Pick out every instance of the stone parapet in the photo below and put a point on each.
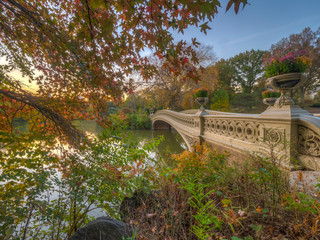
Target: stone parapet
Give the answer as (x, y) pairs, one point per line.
(291, 133)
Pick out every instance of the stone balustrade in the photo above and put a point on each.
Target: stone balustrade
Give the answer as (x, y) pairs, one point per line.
(290, 133)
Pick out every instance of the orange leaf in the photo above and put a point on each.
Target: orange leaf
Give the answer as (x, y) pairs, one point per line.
(259, 209)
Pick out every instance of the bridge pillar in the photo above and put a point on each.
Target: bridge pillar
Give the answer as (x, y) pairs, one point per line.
(201, 115)
(284, 133)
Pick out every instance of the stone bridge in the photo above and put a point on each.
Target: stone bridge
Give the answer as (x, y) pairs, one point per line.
(289, 132)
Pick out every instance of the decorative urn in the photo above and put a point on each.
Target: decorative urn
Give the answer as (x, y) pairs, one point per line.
(283, 83)
(269, 101)
(202, 101)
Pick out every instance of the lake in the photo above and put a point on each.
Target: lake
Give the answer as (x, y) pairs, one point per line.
(173, 142)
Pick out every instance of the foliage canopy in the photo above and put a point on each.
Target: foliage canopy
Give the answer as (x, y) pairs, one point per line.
(85, 50)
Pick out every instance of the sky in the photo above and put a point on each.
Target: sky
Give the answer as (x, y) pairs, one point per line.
(257, 26)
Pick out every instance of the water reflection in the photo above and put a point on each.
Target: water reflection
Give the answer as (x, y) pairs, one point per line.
(173, 142)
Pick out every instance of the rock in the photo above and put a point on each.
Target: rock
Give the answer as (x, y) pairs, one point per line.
(104, 228)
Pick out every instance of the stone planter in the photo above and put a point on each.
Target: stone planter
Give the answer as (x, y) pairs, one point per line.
(283, 83)
(202, 101)
(269, 101)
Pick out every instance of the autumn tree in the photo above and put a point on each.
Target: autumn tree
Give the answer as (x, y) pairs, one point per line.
(309, 41)
(167, 90)
(87, 48)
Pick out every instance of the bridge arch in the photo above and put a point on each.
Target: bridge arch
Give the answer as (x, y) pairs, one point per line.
(162, 123)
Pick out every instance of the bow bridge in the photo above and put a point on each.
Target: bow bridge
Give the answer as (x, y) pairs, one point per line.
(289, 132)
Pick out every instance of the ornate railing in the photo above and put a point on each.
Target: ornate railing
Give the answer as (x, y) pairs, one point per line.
(185, 120)
(292, 133)
(246, 129)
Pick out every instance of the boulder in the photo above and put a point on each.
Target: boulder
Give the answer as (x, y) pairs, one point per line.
(104, 228)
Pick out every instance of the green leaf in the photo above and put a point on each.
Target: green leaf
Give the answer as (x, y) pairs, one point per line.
(257, 228)
(219, 193)
(9, 232)
(248, 238)
(236, 238)
(226, 202)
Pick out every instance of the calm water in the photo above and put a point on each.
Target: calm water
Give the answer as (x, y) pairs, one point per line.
(173, 142)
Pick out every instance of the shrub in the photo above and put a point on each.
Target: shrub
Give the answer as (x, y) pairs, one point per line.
(183, 207)
(203, 197)
(246, 100)
(220, 100)
(57, 190)
(139, 120)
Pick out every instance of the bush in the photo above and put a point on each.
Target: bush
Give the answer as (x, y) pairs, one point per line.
(57, 190)
(135, 120)
(202, 197)
(139, 120)
(220, 100)
(182, 208)
(246, 100)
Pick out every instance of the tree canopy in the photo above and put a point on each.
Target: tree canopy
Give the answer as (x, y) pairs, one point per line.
(83, 51)
(247, 68)
(165, 90)
(308, 41)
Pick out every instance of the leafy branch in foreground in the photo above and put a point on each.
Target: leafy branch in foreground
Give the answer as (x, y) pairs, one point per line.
(53, 192)
(86, 50)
